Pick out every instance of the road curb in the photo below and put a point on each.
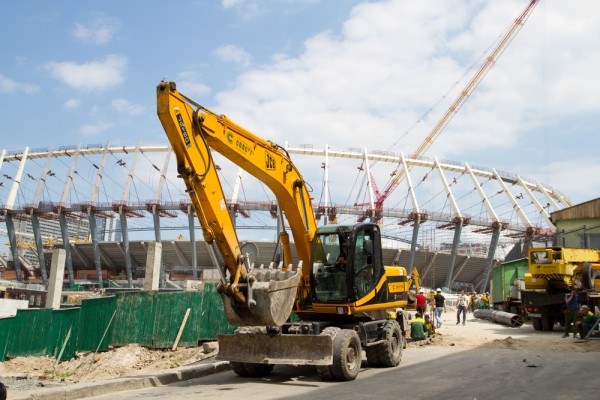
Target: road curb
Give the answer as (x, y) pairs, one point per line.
(83, 390)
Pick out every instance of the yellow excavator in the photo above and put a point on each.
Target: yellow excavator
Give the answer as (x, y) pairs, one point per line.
(323, 306)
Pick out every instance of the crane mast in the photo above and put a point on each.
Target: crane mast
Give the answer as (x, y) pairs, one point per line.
(456, 105)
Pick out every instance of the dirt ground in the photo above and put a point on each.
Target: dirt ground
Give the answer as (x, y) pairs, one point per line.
(137, 360)
(86, 367)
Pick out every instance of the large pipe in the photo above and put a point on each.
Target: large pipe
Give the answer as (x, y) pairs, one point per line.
(512, 320)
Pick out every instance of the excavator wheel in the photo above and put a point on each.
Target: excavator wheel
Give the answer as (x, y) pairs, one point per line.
(251, 370)
(347, 355)
(325, 372)
(388, 353)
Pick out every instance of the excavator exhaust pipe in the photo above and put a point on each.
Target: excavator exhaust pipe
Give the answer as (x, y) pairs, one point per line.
(271, 295)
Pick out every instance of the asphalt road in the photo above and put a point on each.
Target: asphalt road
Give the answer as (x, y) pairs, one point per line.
(425, 373)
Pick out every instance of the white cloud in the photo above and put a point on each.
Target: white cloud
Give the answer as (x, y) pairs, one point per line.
(234, 54)
(372, 84)
(9, 86)
(72, 104)
(93, 130)
(94, 75)
(188, 83)
(125, 107)
(231, 3)
(99, 31)
(394, 60)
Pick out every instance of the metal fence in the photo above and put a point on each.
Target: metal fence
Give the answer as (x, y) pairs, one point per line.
(585, 237)
(147, 318)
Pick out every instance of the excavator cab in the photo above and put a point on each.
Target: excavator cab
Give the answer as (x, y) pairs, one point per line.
(347, 262)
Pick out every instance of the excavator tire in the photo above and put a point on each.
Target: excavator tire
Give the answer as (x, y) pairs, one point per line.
(251, 370)
(325, 371)
(372, 353)
(347, 355)
(389, 353)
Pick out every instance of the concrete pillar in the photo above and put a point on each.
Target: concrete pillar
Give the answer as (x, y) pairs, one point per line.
(490, 257)
(413, 243)
(57, 275)
(457, 231)
(153, 258)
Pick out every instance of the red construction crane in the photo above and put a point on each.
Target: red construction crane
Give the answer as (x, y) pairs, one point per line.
(377, 213)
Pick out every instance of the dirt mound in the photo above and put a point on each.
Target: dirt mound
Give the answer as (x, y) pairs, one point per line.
(86, 367)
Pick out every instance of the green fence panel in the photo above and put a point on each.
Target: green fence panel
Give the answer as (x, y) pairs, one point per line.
(192, 333)
(212, 320)
(29, 336)
(153, 319)
(170, 312)
(134, 320)
(6, 329)
(43, 332)
(63, 333)
(96, 318)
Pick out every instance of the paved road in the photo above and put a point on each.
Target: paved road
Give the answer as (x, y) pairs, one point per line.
(425, 373)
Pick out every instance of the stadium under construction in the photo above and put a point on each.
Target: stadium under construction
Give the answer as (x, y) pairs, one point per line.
(104, 204)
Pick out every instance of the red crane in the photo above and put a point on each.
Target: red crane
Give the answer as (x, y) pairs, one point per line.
(377, 213)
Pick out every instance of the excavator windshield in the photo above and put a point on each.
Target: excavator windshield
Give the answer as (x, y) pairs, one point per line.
(330, 258)
(347, 262)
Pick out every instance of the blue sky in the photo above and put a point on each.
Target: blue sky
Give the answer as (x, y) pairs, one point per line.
(342, 73)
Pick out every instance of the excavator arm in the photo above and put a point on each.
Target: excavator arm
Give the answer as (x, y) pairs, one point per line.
(252, 297)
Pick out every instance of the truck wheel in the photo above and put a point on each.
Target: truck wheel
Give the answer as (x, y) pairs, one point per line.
(537, 323)
(347, 355)
(251, 370)
(325, 371)
(547, 322)
(388, 353)
(588, 276)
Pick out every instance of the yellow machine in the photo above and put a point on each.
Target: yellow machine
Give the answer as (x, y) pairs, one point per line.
(553, 272)
(341, 303)
(563, 268)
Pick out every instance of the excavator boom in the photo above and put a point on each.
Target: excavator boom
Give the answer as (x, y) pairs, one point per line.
(252, 297)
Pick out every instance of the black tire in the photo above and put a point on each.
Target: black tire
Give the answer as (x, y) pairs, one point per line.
(325, 372)
(373, 356)
(588, 277)
(347, 355)
(389, 353)
(537, 323)
(251, 370)
(547, 322)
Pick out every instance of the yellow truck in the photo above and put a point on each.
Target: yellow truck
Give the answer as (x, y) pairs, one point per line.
(552, 273)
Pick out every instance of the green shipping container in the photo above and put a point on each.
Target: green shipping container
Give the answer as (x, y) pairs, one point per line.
(504, 276)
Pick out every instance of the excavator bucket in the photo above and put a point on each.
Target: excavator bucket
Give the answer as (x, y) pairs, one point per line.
(271, 294)
(262, 348)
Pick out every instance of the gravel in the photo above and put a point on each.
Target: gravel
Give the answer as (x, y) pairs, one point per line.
(26, 383)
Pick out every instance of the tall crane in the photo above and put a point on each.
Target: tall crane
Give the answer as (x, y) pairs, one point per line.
(377, 213)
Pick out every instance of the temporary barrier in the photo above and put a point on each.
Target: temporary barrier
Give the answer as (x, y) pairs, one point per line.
(96, 323)
(41, 332)
(150, 319)
(154, 319)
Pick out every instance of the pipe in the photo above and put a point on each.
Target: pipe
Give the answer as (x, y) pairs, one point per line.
(501, 317)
